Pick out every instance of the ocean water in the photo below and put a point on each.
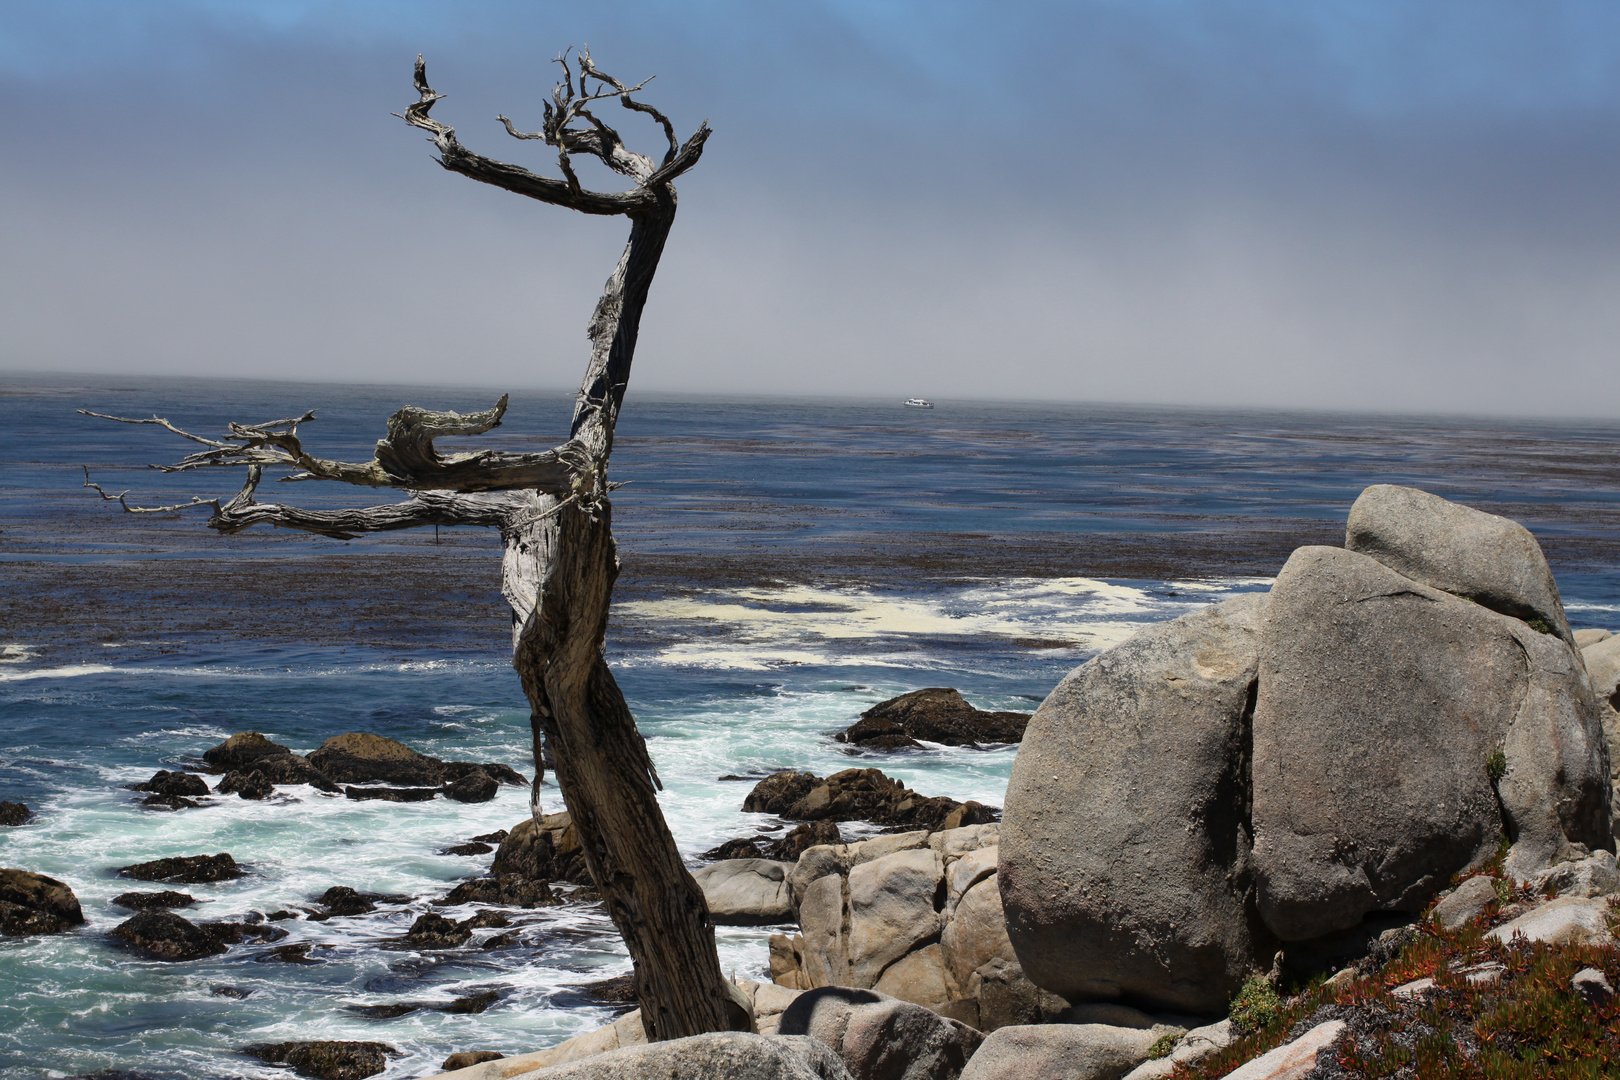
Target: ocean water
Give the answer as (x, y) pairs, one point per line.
(786, 565)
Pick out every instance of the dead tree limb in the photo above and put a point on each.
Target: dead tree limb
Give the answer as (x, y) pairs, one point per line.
(559, 562)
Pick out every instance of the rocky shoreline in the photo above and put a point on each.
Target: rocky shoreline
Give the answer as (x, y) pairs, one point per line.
(1270, 837)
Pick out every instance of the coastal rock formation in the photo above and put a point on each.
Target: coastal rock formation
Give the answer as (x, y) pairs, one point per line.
(146, 901)
(341, 900)
(164, 782)
(1094, 1051)
(937, 715)
(163, 935)
(392, 794)
(788, 848)
(476, 786)
(242, 751)
(882, 1038)
(1602, 659)
(245, 785)
(549, 851)
(1278, 770)
(362, 758)
(1124, 851)
(859, 795)
(738, 1055)
(464, 1058)
(32, 903)
(186, 869)
(1481, 557)
(916, 916)
(15, 813)
(746, 892)
(328, 1060)
(509, 890)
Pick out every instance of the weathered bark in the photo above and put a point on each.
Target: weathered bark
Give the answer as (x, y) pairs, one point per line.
(559, 562)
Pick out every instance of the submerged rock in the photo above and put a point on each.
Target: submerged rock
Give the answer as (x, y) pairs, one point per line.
(163, 935)
(938, 715)
(326, 1060)
(186, 869)
(388, 794)
(32, 903)
(170, 802)
(146, 901)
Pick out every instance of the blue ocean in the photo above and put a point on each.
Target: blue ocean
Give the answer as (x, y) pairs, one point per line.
(786, 564)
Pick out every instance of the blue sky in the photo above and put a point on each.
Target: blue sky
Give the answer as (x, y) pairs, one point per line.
(1348, 205)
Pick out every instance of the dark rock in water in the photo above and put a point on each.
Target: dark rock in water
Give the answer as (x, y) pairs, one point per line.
(784, 849)
(468, 849)
(803, 837)
(146, 901)
(163, 935)
(242, 751)
(500, 941)
(475, 787)
(113, 1074)
(466, 1059)
(509, 890)
(164, 782)
(937, 715)
(487, 920)
(432, 931)
(859, 795)
(549, 851)
(32, 903)
(504, 774)
(391, 794)
(290, 954)
(619, 990)
(237, 992)
(391, 1011)
(490, 838)
(278, 916)
(246, 785)
(186, 869)
(293, 769)
(741, 848)
(234, 933)
(361, 758)
(15, 813)
(326, 1060)
(473, 1003)
(342, 900)
(169, 802)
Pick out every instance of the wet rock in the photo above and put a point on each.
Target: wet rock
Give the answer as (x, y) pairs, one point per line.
(361, 758)
(242, 750)
(802, 838)
(476, 786)
(32, 903)
(147, 901)
(326, 1060)
(549, 851)
(293, 769)
(936, 715)
(246, 785)
(234, 933)
(387, 794)
(15, 813)
(490, 838)
(291, 954)
(163, 935)
(619, 990)
(503, 774)
(278, 916)
(507, 890)
(342, 900)
(392, 1011)
(473, 1003)
(186, 869)
(486, 920)
(164, 782)
(169, 802)
(237, 992)
(432, 931)
(853, 795)
(468, 849)
(465, 1059)
(744, 848)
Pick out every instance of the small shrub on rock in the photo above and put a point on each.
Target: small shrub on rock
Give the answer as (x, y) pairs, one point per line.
(1256, 1006)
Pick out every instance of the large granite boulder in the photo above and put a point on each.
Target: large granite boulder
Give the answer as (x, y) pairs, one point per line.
(1481, 557)
(879, 1037)
(1393, 727)
(32, 903)
(1124, 845)
(937, 714)
(746, 892)
(1071, 1051)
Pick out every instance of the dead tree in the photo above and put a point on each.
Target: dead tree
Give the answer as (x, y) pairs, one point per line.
(559, 562)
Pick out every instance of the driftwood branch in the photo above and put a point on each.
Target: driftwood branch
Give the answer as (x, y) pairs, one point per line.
(406, 458)
(128, 509)
(488, 510)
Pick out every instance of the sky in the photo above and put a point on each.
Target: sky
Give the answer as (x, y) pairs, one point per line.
(1343, 204)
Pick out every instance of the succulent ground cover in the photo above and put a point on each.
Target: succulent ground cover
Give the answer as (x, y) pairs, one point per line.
(1495, 1011)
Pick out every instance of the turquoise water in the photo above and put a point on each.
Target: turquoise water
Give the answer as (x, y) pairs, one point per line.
(787, 565)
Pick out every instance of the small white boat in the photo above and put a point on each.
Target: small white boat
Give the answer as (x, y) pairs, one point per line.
(917, 403)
